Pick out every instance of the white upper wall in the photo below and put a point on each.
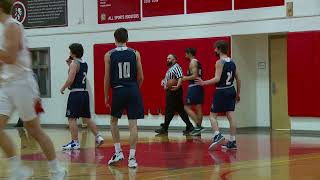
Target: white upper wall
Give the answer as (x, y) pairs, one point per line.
(83, 18)
(306, 7)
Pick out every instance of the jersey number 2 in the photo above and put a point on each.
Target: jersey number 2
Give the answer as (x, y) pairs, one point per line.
(84, 78)
(229, 78)
(124, 70)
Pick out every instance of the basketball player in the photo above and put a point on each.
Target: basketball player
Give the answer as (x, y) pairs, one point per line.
(78, 101)
(19, 91)
(123, 72)
(68, 61)
(195, 92)
(226, 96)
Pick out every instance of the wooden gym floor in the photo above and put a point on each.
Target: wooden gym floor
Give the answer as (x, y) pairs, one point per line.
(260, 156)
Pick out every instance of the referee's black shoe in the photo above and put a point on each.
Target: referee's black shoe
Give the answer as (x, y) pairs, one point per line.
(161, 131)
(188, 130)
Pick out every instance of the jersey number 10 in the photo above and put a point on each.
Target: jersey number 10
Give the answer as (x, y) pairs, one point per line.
(124, 70)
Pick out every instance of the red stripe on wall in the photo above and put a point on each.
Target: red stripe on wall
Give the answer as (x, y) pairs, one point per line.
(162, 7)
(247, 4)
(198, 6)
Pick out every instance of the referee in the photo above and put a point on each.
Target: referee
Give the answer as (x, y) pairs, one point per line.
(174, 97)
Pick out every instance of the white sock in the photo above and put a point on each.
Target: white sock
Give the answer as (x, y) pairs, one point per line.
(54, 165)
(132, 153)
(216, 133)
(14, 162)
(117, 147)
(232, 138)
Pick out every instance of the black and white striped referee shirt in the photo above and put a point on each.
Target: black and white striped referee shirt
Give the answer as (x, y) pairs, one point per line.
(174, 72)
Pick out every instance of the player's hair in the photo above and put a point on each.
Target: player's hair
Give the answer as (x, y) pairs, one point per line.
(191, 51)
(222, 46)
(121, 35)
(6, 6)
(76, 49)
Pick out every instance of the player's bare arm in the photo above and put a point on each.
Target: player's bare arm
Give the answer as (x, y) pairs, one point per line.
(71, 76)
(139, 69)
(179, 84)
(217, 76)
(107, 78)
(238, 81)
(13, 37)
(193, 69)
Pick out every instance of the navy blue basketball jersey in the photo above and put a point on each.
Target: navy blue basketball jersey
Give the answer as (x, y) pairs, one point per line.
(123, 67)
(228, 73)
(199, 71)
(80, 81)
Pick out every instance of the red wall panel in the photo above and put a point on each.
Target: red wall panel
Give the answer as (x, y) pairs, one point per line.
(198, 6)
(153, 54)
(162, 7)
(98, 55)
(303, 76)
(247, 4)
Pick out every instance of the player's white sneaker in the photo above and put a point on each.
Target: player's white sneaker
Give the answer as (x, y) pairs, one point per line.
(116, 157)
(99, 140)
(59, 174)
(132, 162)
(21, 173)
(73, 145)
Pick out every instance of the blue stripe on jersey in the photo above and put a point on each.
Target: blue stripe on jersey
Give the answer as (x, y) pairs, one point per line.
(174, 72)
(123, 67)
(228, 74)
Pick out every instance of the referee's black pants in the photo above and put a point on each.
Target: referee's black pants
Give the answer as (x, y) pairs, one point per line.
(174, 103)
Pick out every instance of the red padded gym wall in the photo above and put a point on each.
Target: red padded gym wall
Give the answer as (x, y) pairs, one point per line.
(303, 76)
(153, 54)
(247, 4)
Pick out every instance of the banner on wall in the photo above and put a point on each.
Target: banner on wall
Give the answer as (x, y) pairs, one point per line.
(114, 11)
(162, 7)
(41, 13)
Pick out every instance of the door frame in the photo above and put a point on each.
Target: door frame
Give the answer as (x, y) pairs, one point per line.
(271, 37)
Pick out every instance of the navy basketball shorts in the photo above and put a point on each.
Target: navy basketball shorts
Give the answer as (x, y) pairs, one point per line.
(129, 99)
(78, 105)
(195, 95)
(224, 100)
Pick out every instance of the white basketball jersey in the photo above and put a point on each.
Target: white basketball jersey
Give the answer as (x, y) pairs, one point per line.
(23, 62)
